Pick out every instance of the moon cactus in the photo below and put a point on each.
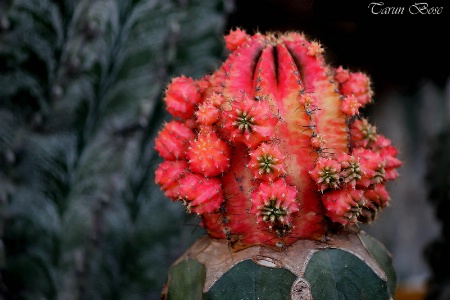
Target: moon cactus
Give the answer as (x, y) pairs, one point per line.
(271, 149)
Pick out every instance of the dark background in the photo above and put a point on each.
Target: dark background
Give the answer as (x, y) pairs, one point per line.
(398, 51)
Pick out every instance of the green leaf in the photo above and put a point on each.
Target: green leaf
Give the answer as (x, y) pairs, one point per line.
(384, 259)
(337, 274)
(248, 280)
(186, 280)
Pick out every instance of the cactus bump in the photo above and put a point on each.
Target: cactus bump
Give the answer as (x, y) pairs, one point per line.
(272, 147)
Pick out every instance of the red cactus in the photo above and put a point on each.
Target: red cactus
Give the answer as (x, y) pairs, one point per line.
(344, 206)
(270, 148)
(326, 173)
(274, 203)
(168, 175)
(208, 154)
(235, 39)
(247, 121)
(200, 194)
(182, 95)
(173, 140)
(267, 162)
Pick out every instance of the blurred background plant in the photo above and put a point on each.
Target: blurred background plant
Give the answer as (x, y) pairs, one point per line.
(80, 91)
(81, 88)
(438, 180)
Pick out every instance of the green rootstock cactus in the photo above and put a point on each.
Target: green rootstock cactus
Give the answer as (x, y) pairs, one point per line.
(349, 266)
(270, 150)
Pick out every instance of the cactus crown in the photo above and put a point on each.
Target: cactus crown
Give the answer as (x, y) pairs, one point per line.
(270, 148)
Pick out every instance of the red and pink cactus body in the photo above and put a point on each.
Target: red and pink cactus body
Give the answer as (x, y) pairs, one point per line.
(271, 148)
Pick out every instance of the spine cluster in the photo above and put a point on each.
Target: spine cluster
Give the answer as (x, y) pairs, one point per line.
(271, 148)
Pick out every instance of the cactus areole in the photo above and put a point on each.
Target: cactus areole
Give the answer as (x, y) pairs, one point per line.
(271, 147)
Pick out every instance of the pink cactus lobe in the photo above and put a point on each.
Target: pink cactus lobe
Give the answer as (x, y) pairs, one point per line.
(237, 184)
(239, 78)
(391, 162)
(248, 121)
(315, 49)
(381, 142)
(341, 75)
(358, 84)
(173, 140)
(351, 171)
(344, 206)
(201, 195)
(207, 113)
(328, 116)
(350, 105)
(182, 95)
(208, 154)
(326, 173)
(168, 174)
(363, 134)
(376, 199)
(274, 203)
(372, 166)
(235, 38)
(203, 83)
(216, 99)
(264, 80)
(267, 162)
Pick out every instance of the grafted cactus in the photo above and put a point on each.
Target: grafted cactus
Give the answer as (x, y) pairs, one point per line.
(271, 148)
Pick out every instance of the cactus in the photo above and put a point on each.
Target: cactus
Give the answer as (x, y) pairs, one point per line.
(271, 149)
